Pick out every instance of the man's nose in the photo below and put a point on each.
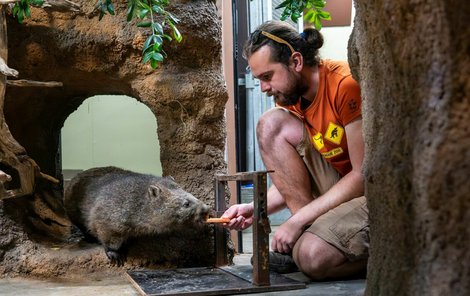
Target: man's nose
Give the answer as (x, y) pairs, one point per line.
(265, 86)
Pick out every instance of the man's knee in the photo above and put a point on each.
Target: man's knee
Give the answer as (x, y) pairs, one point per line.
(269, 124)
(315, 257)
(277, 123)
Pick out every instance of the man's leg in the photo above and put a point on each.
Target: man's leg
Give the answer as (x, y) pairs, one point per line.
(319, 260)
(279, 133)
(336, 244)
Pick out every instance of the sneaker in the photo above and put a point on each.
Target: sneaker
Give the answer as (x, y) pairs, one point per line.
(281, 263)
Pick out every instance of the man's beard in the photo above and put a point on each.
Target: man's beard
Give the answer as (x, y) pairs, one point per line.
(294, 90)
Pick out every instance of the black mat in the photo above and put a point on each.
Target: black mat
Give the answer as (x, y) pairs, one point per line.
(206, 281)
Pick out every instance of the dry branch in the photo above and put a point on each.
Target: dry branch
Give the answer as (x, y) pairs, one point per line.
(6, 2)
(32, 83)
(4, 177)
(62, 5)
(5, 70)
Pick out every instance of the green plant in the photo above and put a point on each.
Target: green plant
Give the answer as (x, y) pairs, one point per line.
(313, 9)
(21, 8)
(153, 15)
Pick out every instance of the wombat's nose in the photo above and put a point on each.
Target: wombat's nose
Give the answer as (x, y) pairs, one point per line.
(205, 210)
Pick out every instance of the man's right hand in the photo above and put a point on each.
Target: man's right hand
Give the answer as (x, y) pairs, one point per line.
(241, 216)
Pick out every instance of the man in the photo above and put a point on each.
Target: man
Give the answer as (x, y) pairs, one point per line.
(313, 142)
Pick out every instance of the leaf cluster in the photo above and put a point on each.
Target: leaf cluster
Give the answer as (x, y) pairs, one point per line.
(313, 9)
(21, 9)
(152, 15)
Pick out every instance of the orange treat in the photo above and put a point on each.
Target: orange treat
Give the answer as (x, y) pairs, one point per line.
(218, 220)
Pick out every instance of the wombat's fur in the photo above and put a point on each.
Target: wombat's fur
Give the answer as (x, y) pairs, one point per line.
(112, 205)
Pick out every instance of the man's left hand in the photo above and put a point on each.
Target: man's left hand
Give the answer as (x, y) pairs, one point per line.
(285, 237)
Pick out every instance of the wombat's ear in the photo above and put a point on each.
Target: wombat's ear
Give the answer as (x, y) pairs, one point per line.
(154, 191)
(171, 178)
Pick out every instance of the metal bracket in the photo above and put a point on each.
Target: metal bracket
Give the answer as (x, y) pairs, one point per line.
(261, 227)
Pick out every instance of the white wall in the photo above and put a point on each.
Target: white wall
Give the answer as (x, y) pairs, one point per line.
(111, 130)
(335, 44)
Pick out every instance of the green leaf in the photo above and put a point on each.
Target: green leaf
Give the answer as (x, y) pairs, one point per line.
(157, 56)
(325, 15)
(144, 5)
(283, 4)
(143, 13)
(148, 42)
(319, 3)
(158, 9)
(130, 12)
(309, 15)
(20, 16)
(27, 11)
(172, 18)
(157, 27)
(156, 47)
(37, 2)
(15, 10)
(295, 16)
(176, 33)
(147, 57)
(153, 64)
(144, 24)
(317, 22)
(111, 8)
(167, 37)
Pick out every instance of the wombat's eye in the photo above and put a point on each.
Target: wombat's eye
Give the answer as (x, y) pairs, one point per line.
(186, 203)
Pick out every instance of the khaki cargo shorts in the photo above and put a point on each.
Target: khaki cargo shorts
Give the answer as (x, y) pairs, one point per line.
(347, 226)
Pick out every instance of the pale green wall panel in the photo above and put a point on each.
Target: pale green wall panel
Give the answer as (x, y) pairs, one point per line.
(111, 130)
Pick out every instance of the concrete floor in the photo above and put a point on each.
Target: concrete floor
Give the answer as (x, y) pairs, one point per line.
(120, 285)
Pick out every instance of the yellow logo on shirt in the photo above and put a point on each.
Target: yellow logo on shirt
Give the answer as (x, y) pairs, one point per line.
(317, 140)
(334, 133)
(332, 153)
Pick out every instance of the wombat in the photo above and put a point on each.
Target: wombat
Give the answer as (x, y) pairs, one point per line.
(113, 205)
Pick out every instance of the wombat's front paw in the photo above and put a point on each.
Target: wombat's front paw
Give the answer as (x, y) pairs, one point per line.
(115, 257)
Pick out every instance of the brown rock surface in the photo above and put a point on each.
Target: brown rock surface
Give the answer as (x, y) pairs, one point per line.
(91, 57)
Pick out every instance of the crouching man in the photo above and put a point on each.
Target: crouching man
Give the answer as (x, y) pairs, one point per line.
(313, 141)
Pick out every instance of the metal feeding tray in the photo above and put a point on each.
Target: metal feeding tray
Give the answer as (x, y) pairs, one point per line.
(206, 281)
(223, 279)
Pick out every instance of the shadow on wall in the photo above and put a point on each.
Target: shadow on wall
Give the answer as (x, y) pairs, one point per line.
(110, 130)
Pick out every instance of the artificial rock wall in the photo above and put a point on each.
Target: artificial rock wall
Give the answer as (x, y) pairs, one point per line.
(412, 60)
(91, 57)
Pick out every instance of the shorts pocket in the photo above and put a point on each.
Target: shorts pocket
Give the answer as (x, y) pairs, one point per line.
(350, 224)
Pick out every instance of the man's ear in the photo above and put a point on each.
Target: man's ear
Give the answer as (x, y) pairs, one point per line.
(297, 61)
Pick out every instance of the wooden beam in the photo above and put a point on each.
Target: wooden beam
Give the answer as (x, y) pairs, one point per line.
(32, 83)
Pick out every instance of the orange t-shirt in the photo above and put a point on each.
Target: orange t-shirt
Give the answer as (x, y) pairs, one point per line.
(337, 103)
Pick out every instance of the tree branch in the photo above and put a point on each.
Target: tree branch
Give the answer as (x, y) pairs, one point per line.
(26, 83)
(5, 70)
(6, 2)
(61, 5)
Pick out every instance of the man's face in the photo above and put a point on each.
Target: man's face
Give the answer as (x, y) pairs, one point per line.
(276, 79)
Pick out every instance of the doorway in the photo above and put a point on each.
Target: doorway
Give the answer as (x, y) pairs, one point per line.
(110, 130)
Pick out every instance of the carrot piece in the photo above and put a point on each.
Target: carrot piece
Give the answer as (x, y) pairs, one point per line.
(218, 220)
